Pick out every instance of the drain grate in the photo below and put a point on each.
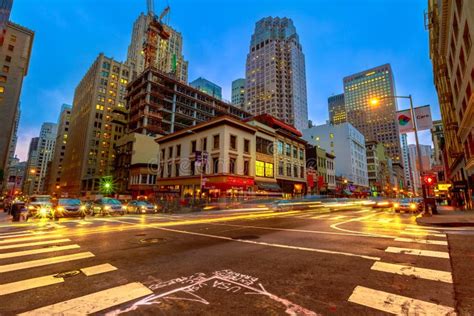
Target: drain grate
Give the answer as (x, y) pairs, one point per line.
(67, 274)
(151, 240)
(246, 237)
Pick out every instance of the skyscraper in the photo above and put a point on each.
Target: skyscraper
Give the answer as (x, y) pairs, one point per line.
(207, 87)
(238, 92)
(337, 109)
(5, 9)
(169, 58)
(375, 122)
(275, 73)
(31, 177)
(98, 120)
(15, 55)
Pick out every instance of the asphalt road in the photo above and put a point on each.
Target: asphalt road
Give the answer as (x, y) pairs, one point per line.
(354, 262)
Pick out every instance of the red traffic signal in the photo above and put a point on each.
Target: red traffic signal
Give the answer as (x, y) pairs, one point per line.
(429, 179)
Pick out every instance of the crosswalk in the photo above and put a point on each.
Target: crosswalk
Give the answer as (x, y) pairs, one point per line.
(50, 250)
(424, 244)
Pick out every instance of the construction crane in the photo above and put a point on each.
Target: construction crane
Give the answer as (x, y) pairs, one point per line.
(154, 31)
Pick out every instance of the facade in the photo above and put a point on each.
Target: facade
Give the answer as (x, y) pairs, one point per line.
(238, 93)
(5, 9)
(15, 53)
(426, 153)
(46, 144)
(12, 147)
(437, 136)
(31, 177)
(348, 145)
(15, 175)
(98, 120)
(320, 170)
(56, 167)
(207, 87)
(136, 165)
(337, 109)
(379, 167)
(161, 105)
(451, 31)
(376, 123)
(275, 73)
(169, 58)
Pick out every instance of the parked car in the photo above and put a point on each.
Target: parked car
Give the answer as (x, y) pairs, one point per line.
(69, 208)
(409, 205)
(107, 206)
(39, 206)
(141, 207)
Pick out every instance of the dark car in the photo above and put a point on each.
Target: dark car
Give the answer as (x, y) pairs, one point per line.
(409, 205)
(69, 208)
(382, 203)
(141, 207)
(107, 206)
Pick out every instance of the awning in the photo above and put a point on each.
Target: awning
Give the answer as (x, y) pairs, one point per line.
(268, 186)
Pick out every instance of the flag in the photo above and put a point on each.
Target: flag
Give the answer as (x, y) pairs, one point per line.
(423, 118)
(404, 121)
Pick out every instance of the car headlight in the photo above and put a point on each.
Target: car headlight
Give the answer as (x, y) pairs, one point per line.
(106, 207)
(60, 209)
(82, 208)
(142, 207)
(31, 207)
(413, 206)
(124, 207)
(396, 205)
(43, 211)
(155, 207)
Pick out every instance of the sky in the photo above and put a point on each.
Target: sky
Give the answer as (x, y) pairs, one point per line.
(339, 38)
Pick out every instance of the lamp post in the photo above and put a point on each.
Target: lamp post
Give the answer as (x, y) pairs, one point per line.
(374, 102)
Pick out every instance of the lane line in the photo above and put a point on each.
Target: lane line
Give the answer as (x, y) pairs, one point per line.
(418, 252)
(102, 268)
(421, 234)
(44, 262)
(421, 273)
(338, 217)
(423, 241)
(36, 251)
(95, 302)
(29, 284)
(38, 243)
(9, 241)
(396, 304)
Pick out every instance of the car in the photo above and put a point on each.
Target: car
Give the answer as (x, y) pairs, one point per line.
(409, 205)
(141, 207)
(382, 203)
(39, 206)
(107, 206)
(69, 208)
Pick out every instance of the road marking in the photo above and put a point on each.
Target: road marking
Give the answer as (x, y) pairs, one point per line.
(9, 241)
(396, 304)
(102, 268)
(24, 285)
(15, 232)
(423, 230)
(17, 235)
(418, 252)
(37, 243)
(423, 241)
(36, 251)
(321, 216)
(338, 217)
(95, 302)
(428, 274)
(44, 262)
(423, 234)
(363, 211)
(384, 220)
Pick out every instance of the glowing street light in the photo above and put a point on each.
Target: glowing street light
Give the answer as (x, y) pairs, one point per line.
(374, 101)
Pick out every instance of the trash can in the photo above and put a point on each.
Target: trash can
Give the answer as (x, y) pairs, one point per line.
(431, 205)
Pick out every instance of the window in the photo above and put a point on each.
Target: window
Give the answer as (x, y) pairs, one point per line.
(176, 170)
(288, 170)
(288, 150)
(302, 171)
(13, 38)
(193, 167)
(169, 170)
(264, 146)
(193, 146)
(232, 165)
(215, 165)
(268, 170)
(105, 74)
(259, 168)
(163, 154)
(233, 142)
(467, 39)
(204, 144)
(295, 171)
(3, 78)
(11, 48)
(301, 154)
(280, 168)
(216, 141)
(178, 150)
(2, 89)
(8, 58)
(170, 152)
(280, 147)
(246, 146)
(246, 167)
(6, 69)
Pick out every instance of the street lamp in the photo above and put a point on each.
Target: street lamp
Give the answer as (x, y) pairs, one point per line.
(375, 102)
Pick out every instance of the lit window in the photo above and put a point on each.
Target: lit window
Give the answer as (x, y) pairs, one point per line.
(269, 170)
(2, 89)
(259, 168)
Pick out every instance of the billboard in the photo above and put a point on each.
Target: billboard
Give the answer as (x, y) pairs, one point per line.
(423, 119)
(405, 121)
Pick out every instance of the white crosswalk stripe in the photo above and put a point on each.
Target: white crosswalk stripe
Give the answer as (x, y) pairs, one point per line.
(428, 274)
(43, 262)
(106, 267)
(36, 243)
(423, 234)
(20, 239)
(36, 251)
(423, 241)
(95, 302)
(418, 252)
(396, 304)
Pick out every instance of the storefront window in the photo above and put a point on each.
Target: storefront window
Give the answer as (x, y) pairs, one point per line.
(259, 168)
(269, 170)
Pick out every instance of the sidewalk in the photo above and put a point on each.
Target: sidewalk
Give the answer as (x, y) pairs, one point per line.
(4, 217)
(448, 216)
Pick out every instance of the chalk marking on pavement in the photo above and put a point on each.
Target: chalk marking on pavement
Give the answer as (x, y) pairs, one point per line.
(29, 284)
(418, 252)
(37, 243)
(102, 268)
(95, 302)
(396, 304)
(421, 234)
(421, 273)
(44, 262)
(9, 241)
(423, 241)
(36, 251)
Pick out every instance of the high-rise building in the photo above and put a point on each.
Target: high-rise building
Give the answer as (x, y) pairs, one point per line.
(426, 152)
(5, 9)
(207, 87)
(451, 34)
(16, 172)
(12, 147)
(169, 57)
(275, 77)
(337, 109)
(15, 56)
(55, 170)
(406, 162)
(31, 177)
(98, 120)
(238, 92)
(437, 137)
(46, 144)
(375, 122)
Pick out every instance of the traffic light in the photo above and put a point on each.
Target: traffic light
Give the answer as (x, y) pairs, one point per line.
(429, 179)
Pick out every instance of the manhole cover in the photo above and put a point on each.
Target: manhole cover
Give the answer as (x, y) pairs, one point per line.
(151, 240)
(246, 237)
(67, 274)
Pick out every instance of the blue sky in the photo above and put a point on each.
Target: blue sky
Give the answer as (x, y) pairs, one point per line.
(339, 37)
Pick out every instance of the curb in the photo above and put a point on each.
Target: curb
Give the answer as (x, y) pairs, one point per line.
(446, 224)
